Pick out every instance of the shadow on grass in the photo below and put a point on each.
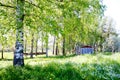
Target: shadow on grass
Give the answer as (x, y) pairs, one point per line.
(59, 56)
(107, 53)
(6, 59)
(103, 53)
(56, 57)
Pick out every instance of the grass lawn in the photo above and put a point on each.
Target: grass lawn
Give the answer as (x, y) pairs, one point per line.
(81, 67)
(79, 59)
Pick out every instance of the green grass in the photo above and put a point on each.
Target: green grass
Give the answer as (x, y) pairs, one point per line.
(72, 67)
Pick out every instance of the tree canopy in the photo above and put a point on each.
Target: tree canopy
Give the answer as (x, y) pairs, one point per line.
(71, 21)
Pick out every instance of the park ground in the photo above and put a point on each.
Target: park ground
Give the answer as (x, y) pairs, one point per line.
(100, 66)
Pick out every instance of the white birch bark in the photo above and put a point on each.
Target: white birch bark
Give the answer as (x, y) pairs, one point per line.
(18, 53)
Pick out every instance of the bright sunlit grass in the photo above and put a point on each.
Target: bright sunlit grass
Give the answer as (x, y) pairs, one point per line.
(99, 58)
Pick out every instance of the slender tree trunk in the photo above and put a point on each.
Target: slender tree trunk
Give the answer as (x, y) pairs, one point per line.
(113, 49)
(2, 56)
(100, 44)
(101, 47)
(95, 47)
(56, 51)
(25, 44)
(42, 43)
(46, 45)
(32, 42)
(18, 53)
(36, 47)
(63, 50)
(54, 45)
(70, 45)
(46, 51)
(42, 47)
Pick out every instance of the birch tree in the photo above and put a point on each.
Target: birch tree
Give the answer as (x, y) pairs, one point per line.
(18, 54)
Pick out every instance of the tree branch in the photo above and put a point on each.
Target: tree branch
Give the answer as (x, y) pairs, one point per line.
(4, 5)
(32, 4)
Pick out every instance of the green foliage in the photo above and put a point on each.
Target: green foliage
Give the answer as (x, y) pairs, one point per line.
(74, 20)
(59, 71)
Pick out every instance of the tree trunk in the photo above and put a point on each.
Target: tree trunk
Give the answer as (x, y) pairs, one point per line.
(42, 43)
(36, 47)
(54, 45)
(56, 51)
(63, 50)
(101, 48)
(95, 46)
(18, 53)
(113, 49)
(32, 42)
(101, 43)
(42, 47)
(2, 56)
(46, 51)
(70, 45)
(46, 45)
(25, 44)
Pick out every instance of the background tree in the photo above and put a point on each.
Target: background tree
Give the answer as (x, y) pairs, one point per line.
(68, 21)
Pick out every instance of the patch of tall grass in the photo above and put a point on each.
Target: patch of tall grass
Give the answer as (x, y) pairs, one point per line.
(66, 71)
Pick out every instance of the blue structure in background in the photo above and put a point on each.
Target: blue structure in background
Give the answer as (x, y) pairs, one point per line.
(84, 50)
